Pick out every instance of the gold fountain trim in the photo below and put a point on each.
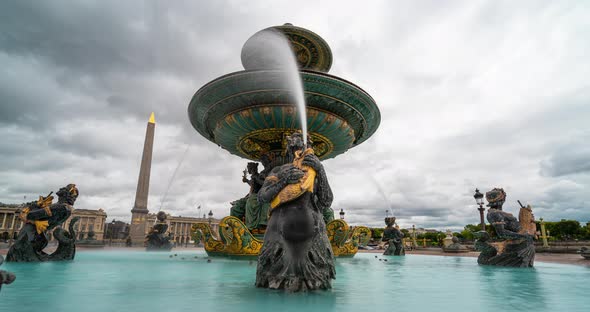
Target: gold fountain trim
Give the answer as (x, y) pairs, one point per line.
(235, 240)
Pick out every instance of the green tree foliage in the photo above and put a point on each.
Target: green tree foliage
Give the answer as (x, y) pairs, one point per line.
(436, 237)
(566, 229)
(376, 233)
(467, 233)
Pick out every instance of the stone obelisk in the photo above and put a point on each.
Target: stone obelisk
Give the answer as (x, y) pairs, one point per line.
(139, 212)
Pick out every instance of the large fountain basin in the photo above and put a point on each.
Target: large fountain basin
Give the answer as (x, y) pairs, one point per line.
(249, 112)
(142, 281)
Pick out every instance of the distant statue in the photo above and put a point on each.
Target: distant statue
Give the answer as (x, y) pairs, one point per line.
(156, 239)
(517, 248)
(128, 242)
(91, 235)
(39, 218)
(5, 277)
(296, 254)
(90, 241)
(455, 246)
(394, 237)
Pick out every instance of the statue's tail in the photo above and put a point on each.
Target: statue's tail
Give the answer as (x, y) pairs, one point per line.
(71, 228)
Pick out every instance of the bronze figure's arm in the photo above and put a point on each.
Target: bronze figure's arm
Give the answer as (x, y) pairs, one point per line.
(258, 178)
(277, 179)
(322, 190)
(498, 223)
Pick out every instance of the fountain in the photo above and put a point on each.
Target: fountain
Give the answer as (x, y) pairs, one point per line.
(251, 114)
(340, 116)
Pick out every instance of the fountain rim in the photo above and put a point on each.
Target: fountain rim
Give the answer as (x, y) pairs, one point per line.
(307, 71)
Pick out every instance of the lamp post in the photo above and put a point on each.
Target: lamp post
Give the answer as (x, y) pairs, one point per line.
(414, 236)
(210, 219)
(341, 214)
(387, 213)
(544, 234)
(111, 228)
(479, 200)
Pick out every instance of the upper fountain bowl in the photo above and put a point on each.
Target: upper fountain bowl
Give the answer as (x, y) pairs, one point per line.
(249, 113)
(311, 51)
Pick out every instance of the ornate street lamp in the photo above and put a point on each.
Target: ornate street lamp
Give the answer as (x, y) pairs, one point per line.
(479, 200)
(210, 216)
(341, 214)
(112, 232)
(414, 243)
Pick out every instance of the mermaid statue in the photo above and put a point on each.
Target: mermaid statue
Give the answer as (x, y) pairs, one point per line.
(296, 254)
(39, 218)
(394, 237)
(157, 240)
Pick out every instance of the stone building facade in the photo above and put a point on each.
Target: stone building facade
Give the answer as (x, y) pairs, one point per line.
(90, 219)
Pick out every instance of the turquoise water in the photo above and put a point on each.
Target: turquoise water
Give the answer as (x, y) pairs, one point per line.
(140, 281)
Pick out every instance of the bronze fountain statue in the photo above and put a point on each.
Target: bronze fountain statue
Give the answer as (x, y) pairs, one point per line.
(516, 248)
(5, 277)
(156, 239)
(248, 208)
(39, 218)
(296, 254)
(394, 237)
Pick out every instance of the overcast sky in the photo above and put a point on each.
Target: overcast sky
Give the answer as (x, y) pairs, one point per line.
(472, 94)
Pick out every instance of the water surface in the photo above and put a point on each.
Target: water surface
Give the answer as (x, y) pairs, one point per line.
(141, 281)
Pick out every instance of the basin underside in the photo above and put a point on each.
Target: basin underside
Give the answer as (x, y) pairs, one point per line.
(249, 113)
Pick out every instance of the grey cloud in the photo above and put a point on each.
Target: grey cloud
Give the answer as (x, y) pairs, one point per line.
(477, 95)
(572, 158)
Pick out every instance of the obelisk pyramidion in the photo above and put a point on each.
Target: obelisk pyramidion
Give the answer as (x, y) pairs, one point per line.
(140, 211)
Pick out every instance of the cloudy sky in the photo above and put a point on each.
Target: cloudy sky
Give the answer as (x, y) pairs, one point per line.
(472, 94)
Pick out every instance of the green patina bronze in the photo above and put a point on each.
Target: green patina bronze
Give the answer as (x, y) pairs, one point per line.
(310, 50)
(252, 114)
(249, 112)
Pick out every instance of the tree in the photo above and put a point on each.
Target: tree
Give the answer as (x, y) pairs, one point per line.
(565, 229)
(467, 235)
(376, 233)
(477, 227)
